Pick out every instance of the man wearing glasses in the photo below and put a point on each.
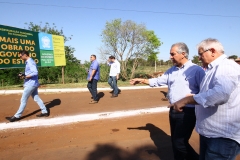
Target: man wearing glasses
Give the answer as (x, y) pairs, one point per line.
(182, 79)
(31, 85)
(93, 77)
(218, 109)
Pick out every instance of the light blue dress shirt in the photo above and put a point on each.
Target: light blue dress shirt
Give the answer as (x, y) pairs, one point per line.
(181, 81)
(31, 69)
(218, 112)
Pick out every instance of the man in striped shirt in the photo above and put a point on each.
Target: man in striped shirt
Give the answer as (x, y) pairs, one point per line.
(218, 112)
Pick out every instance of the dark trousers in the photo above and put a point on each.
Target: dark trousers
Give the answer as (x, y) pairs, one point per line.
(182, 125)
(92, 87)
(218, 148)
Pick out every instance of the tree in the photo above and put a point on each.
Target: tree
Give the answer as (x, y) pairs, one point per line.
(128, 41)
(233, 57)
(195, 59)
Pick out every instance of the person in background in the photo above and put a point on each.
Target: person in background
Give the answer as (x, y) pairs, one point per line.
(182, 79)
(31, 85)
(218, 109)
(114, 75)
(93, 78)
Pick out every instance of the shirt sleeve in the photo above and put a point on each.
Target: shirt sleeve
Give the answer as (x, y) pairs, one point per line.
(118, 68)
(109, 63)
(220, 90)
(199, 76)
(33, 69)
(95, 65)
(159, 81)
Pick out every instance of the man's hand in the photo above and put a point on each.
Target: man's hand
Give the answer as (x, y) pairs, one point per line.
(90, 78)
(117, 76)
(135, 81)
(21, 75)
(178, 106)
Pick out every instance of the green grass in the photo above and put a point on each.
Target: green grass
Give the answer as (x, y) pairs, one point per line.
(68, 85)
(141, 69)
(150, 70)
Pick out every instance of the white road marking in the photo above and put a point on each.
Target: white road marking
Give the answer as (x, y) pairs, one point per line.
(78, 118)
(65, 90)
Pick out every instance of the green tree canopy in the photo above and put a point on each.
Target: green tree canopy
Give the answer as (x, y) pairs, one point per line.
(233, 57)
(128, 41)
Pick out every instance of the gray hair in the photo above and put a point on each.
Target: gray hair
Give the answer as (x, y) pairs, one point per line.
(182, 47)
(211, 43)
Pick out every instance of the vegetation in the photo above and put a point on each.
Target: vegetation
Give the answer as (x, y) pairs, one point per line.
(140, 46)
(128, 42)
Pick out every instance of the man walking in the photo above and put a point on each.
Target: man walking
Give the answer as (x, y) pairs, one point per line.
(93, 77)
(218, 109)
(114, 75)
(31, 84)
(182, 79)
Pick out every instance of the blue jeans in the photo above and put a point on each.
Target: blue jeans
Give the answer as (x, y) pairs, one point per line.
(33, 91)
(182, 125)
(218, 148)
(92, 87)
(112, 81)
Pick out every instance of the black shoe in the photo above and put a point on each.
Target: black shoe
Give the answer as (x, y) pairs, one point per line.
(93, 102)
(12, 119)
(113, 96)
(42, 115)
(111, 91)
(119, 91)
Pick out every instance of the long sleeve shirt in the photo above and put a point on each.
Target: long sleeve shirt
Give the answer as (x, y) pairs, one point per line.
(31, 69)
(115, 68)
(218, 112)
(181, 81)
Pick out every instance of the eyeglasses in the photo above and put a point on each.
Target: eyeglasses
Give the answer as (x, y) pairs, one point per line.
(200, 54)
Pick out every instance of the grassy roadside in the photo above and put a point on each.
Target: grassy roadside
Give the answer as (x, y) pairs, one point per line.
(141, 69)
(68, 85)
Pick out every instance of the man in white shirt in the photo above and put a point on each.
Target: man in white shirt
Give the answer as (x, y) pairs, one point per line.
(114, 75)
(218, 109)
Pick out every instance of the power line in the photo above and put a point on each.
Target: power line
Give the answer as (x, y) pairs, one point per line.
(123, 10)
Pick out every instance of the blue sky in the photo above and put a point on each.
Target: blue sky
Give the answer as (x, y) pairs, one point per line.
(188, 21)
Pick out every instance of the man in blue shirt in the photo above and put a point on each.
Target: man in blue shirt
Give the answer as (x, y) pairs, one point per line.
(218, 109)
(182, 79)
(30, 87)
(93, 77)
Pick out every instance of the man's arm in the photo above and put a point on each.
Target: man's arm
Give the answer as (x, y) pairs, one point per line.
(118, 70)
(33, 70)
(92, 74)
(178, 106)
(139, 80)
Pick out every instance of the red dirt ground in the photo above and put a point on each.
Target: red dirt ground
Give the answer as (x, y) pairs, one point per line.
(109, 139)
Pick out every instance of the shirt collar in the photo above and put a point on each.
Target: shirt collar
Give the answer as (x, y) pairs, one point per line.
(216, 61)
(27, 60)
(185, 65)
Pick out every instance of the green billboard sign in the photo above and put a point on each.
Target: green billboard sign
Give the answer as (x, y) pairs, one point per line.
(45, 49)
